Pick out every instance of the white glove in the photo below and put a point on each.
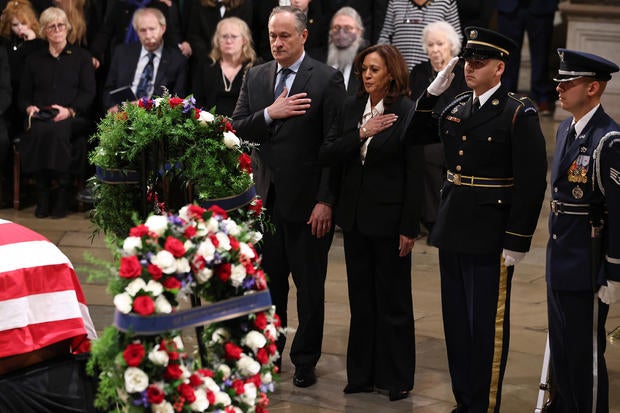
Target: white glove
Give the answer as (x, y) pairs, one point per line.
(610, 293)
(512, 257)
(443, 79)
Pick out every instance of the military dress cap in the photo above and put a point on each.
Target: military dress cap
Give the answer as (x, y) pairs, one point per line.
(486, 44)
(575, 64)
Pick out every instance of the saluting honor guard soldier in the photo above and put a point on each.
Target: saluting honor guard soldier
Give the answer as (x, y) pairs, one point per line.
(583, 253)
(488, 211)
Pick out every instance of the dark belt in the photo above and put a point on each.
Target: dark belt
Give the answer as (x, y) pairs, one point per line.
(458, 179)
(558, 207)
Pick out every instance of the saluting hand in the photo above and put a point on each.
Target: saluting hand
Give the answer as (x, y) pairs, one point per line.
(443, 79)
(287, 106)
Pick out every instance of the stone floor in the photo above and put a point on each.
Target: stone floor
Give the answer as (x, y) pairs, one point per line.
(432, 392)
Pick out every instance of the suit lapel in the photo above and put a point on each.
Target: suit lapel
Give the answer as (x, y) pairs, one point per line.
(302, 77)
(160, 76)
(266, 88)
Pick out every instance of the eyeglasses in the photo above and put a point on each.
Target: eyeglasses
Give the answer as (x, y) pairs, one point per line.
(58, 27)
(227, 37)
(346, 29)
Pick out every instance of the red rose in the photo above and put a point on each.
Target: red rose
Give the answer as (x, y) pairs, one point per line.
(155, 271)
(145, 103)
(210, 397)
(154, 394)
(260, 322)
(229, 127)
(218, 211)
(237, 385)
(234, 244)
(196, 211)
(260, 280)
(245, 163)
(195, 380)
(205, 372)
(173, 355)
(254, 379)
(173, 372)
(199, 262)
(130, 267)
(174, 246)
(222, 271)
(173, 102)
(276, 321)
(133, 354)
(233, 352)
(256, 206)
(139, 231)
(186, 391)
(262, 356)
(167, 345)
(259, 409)
(263, 401)
(214, 240)
(171, 283)
(229, 409)
(249, 267)
(272, 348)
(196, 113)
(189, 232)
(144, 305)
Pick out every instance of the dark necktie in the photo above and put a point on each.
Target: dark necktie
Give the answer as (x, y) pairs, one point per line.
(146, 78)
(570, 137)
(282, 83)
(475, 105)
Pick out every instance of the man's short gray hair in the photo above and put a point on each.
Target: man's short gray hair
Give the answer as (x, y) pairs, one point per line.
(300, 16)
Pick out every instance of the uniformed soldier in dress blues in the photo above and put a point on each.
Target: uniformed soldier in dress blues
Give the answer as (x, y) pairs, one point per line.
(583, 253)
(489, 208)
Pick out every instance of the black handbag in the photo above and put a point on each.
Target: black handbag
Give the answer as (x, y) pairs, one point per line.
(45, 114)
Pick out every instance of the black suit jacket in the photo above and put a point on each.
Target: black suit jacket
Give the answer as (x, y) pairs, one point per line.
(170, 73)
(287, 157)
(383, 197)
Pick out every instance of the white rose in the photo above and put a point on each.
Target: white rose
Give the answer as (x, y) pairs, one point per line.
(254, 340)
(231, 227)
(157, 101)
(201, 229)
(225, 370)
(248, 366)
(158, 357)
(166, 261)
(237, 275)
(123, 302)
(178, 341)
(220, 335)
(188, 245)
(163, 407)
(255, 237)
(249, 394)
(183, 213)
(222, 398)
(230, 140)
(207, 250)
(204, 275)
(266, 378)
(246, 251)
(182, 265)
(223, 240)
(185, 372)
(135, 286)
(205, 117)
(213, 225)
(270, 331)
(131, 244)
(210, 384)
(135, 380)
(162, 305)
(201, 403)
(157, 224)
(154, 287)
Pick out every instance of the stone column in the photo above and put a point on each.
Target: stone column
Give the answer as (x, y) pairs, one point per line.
(594, 27)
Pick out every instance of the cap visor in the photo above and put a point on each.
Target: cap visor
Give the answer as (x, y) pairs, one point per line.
(565, 78)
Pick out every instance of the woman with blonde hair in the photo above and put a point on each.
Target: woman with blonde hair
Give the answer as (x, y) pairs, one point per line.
(219, 81)
(75, 14)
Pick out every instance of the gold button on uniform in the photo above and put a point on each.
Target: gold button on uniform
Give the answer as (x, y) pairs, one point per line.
(464, 138)
(461, 152)
(499, 201)
(555, 236)
(490, 139)
(555, 189)
(458, 168)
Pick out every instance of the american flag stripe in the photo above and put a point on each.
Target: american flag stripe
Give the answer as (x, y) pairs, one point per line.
(41, 300)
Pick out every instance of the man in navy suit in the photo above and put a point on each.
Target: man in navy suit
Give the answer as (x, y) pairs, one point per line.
(583, 253)
(130, 61)
(297, 191)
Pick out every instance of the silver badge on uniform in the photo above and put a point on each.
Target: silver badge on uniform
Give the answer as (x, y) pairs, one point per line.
(577, 192)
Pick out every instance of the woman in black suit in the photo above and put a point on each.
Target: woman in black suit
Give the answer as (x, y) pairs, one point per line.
(378, 210)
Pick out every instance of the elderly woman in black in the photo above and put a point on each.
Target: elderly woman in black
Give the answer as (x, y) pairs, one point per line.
(56, 92)
(378, 210)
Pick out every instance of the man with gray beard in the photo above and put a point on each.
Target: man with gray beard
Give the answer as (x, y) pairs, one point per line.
(345, 41)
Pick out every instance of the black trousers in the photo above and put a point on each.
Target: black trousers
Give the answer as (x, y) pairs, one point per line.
(573, 341)
(55, 386)
(292, 250)
(381, 348)
(475, 298)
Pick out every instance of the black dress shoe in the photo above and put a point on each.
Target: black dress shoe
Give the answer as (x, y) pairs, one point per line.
(304, 377)
(398, 395)
(358, 388)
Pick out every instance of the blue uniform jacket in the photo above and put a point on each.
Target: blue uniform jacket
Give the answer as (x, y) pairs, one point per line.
(573, 181)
